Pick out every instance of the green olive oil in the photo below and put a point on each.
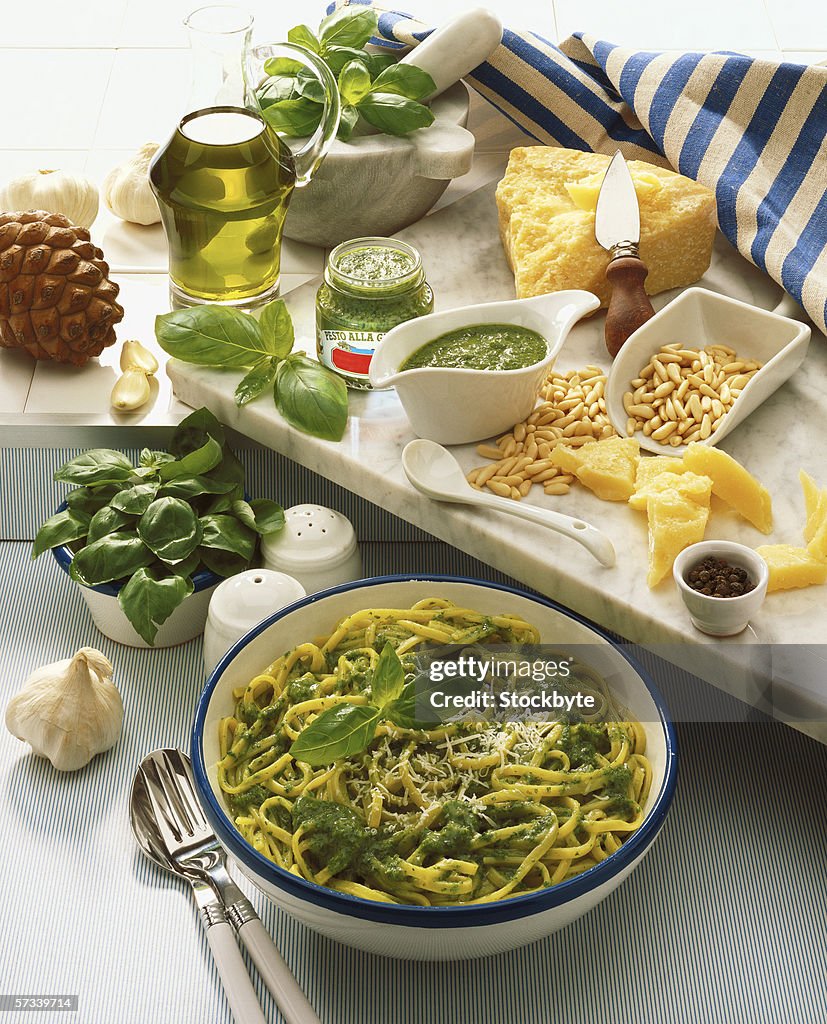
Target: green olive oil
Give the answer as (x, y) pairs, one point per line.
(223, 183)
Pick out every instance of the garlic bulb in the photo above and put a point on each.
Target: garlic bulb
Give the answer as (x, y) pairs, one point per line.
(66, 192)
(68, 711)
(126, 189)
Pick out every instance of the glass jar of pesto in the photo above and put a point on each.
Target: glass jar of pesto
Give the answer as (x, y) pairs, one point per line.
(370, 285)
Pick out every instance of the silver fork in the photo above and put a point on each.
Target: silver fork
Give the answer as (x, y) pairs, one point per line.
(194, 849)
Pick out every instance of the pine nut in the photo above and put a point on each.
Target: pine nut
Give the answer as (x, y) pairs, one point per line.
(556, 488)
(663, 432)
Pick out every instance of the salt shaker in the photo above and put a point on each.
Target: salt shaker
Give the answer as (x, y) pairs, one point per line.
(317, 546)
(241, 602)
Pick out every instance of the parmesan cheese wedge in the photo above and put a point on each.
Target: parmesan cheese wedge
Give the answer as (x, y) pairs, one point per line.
(791, 567)
(730, 481)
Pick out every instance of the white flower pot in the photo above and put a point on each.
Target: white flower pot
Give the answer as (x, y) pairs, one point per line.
(185, 623)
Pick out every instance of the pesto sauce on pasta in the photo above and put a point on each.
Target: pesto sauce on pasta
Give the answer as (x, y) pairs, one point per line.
(461, 813)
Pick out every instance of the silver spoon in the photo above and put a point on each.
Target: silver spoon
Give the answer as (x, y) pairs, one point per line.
(434, 471)
(171, 829)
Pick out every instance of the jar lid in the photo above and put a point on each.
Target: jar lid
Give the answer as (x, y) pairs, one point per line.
(312, 535)
(242, 601)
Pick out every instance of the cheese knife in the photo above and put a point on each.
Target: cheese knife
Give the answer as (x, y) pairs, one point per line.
(617, 230)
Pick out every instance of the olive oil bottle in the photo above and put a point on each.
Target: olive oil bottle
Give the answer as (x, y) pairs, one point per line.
(223, 184)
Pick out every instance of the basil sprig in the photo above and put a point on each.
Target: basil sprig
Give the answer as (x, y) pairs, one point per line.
(308, 395)
(374, 87)
(348, 729)
(157, 524)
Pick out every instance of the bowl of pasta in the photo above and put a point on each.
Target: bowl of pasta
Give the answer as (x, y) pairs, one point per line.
(461, 837)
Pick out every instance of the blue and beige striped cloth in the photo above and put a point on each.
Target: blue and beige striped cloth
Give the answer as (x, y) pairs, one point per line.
(753, 131)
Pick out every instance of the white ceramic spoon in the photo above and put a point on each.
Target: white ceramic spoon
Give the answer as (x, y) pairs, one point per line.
(435, 472)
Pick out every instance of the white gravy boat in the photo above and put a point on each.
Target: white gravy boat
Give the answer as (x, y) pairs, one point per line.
(456, 406)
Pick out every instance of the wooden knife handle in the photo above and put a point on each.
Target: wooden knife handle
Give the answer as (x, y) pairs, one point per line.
(629, 306)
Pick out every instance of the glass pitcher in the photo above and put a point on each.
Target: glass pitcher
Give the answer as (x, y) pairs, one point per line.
(224, 179)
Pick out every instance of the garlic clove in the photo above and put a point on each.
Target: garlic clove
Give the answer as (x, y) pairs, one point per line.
(135, 356)
(68, 711)
(131, 391)
(73, 195)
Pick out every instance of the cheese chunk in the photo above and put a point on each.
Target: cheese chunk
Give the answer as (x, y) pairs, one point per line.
(675, 522)
(791, 567)
(606, 467)
(690, 485)
(733, 483)
(812, 494)
(546, 212)
(650, 467)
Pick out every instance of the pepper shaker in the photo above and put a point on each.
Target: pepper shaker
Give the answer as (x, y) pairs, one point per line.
(241, 602)
(317, 546)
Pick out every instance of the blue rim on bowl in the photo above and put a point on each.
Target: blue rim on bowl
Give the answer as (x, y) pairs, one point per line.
(64, 555)
(405, 914)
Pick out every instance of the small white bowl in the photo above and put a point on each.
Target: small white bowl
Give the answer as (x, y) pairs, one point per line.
(721, 616)
(698, 318)
(455, 406)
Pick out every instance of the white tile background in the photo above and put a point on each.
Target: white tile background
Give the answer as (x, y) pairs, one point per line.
(83, 84)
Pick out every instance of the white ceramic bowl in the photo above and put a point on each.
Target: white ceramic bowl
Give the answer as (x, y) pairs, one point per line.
(185, 623)
(721, 616)
(697, 318)
(454, 406)
(432, 933)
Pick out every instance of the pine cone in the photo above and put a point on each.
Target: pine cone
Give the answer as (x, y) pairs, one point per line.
(56, 299)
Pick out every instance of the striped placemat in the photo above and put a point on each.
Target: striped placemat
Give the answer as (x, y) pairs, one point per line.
(723, 921)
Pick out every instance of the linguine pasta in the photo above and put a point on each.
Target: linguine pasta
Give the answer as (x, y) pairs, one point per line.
(463, 813)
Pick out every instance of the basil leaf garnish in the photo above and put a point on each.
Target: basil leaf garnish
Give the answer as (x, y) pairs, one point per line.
(111, 558)
(406, 80)
(213, 335)
(311, 397)
(348, 26)
(304, 36)
(282, 66)
(135, 500)
(295, 118)
(170, 528)
(192, 432)
(101, 466)
(276, 325)
(260, 514)
(227, 533)
(394, 114)
(65, 526)
(194, 487)
(337, 56)
(308, 86)
(90, 499)
(337, 732)
(148, 601)
(257, 381)
(388, 677)
(354, 82)
(347, 122)
(223, 563)
(108, 520)
(202, 460)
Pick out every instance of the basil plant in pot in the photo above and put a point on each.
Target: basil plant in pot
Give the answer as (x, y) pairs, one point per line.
(149, 543)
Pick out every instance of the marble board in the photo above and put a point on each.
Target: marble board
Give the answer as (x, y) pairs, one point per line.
(464, 260)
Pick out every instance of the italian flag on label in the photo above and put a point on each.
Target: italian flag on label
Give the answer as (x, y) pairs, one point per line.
(348, 352)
